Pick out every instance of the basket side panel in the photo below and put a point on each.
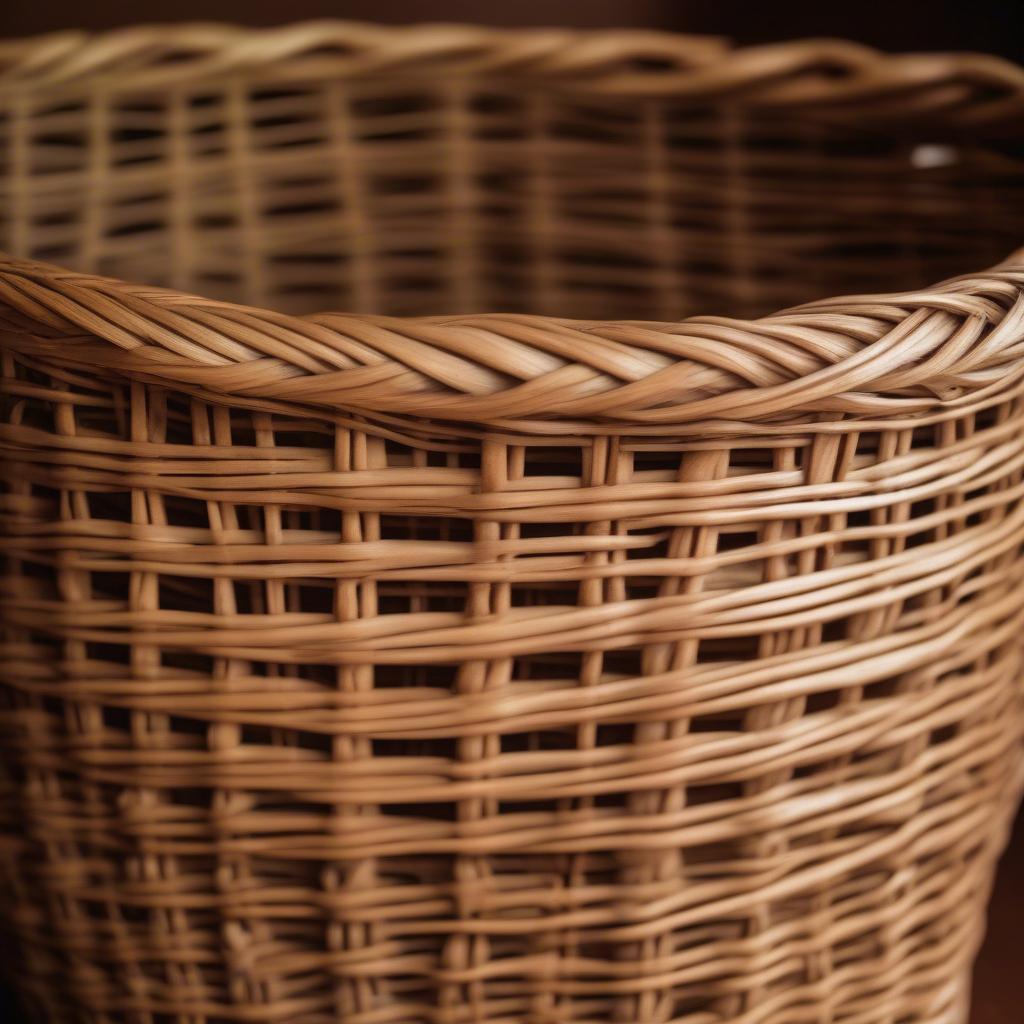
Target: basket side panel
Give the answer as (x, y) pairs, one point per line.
(306, 720)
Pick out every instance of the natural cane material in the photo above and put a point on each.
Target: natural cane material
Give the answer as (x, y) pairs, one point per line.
(559, 634)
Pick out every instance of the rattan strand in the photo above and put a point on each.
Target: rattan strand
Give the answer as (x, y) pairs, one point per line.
(600, 660)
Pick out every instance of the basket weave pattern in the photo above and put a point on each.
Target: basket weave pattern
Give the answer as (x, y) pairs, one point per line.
(482, 668)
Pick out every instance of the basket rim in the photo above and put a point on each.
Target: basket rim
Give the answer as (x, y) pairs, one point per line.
(968, 88)
(899, 354)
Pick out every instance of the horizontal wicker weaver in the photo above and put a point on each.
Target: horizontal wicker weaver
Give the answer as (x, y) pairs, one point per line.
(560, 634)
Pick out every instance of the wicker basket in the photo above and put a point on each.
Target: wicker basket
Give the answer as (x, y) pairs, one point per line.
(406, 667)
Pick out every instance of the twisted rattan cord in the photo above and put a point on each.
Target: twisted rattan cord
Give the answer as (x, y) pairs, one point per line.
(864, 355)
(970, 87)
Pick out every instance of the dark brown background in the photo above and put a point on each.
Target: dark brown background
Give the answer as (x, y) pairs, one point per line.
(984, 25)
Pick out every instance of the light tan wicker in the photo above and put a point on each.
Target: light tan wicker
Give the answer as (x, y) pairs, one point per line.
(467, 667)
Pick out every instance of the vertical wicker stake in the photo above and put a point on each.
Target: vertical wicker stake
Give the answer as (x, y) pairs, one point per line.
(524, 644)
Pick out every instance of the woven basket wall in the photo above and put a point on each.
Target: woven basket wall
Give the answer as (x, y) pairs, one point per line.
(559, 634)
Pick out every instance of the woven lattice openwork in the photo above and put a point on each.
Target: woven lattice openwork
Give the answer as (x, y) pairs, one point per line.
(559, 634)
